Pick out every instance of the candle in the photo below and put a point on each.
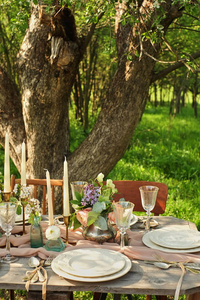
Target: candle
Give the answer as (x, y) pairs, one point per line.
(66, 209)
(23, 165)
(7, 166)
(49, 198)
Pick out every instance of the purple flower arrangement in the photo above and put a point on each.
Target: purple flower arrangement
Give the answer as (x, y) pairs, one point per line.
(91, 195)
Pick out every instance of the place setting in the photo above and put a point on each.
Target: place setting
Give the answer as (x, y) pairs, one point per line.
(173, 239)
(91, 265)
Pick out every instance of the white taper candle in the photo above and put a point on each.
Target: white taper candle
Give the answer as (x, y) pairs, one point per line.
(7, 166)
(49, 196)
(66, 207)
(23, 165)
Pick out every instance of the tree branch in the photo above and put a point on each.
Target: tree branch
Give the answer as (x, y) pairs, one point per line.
(174, 67)
(91, 32)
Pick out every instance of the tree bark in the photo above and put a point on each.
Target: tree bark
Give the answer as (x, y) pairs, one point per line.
(47, 68)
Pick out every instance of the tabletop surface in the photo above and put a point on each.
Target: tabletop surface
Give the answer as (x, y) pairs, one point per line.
(141, 279)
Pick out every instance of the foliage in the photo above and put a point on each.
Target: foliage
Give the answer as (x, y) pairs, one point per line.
(14, 15)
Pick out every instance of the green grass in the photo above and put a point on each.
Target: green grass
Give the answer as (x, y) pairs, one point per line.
(167, 149)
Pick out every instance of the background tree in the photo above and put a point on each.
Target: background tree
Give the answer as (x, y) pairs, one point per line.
(47, 65)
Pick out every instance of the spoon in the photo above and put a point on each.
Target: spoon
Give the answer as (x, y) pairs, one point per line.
(34, 262)
(163, 265)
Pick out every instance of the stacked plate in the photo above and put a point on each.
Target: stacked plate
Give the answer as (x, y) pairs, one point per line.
(19, 219)
(173, 240)
(91, 264)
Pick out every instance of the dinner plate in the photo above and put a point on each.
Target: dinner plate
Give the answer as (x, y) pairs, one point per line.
(56, 268)
(19, 219)
(176, 239)
(147, 241)
(91, 262)
(134, 219)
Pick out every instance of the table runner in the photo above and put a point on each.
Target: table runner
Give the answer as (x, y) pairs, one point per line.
(136, 250)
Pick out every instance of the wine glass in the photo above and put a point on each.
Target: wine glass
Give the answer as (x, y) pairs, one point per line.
(7, 221)
(77, 186)
(148, 197)
(123, 213)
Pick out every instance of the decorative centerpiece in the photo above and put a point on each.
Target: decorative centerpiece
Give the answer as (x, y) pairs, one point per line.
(92, 210)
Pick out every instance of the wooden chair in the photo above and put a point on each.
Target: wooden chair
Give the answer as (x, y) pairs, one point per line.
(129, 190)
(37, 183)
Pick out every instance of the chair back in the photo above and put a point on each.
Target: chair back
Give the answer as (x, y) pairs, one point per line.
(129, 190)
(39, 184)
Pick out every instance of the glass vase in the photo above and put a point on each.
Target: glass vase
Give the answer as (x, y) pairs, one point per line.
(36, 237)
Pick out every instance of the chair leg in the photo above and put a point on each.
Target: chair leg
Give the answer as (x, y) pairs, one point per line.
(161, 297)
(99, 296)
(11, 293)
(117, 296)
(148, 297)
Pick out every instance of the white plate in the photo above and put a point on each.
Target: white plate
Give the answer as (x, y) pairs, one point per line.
(19, 218)
(56, 268)
(176, 239)
(134, 220)
(91, 262)
(146, 240)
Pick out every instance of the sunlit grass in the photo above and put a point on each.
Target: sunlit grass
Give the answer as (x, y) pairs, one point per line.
(167, 149)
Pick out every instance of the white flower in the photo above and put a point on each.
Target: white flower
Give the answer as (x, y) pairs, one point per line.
(53, 232)
(110, 184)
(25, 191)
(100, 177)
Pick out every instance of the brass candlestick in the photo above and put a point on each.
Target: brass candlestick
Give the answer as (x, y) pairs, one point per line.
(66, 221)
(23, 216)
(6, 196)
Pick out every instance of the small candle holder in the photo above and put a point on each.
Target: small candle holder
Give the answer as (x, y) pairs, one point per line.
(66, 221)
(23, 215)
(54, 242)
(6, 196)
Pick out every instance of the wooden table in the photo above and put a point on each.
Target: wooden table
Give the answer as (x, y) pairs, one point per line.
(142, 278)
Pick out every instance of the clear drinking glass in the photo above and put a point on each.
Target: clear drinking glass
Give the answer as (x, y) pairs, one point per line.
(148, 198)
(77, 186)
(7, 221)
(123, 213)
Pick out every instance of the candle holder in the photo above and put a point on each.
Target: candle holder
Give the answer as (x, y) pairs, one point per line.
(54, 242)
(66, 221)
(23, 215)
(6, 196)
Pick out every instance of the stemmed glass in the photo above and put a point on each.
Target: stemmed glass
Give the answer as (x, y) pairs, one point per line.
(77, 186)
(7, 222)
(148, 197)
(123, 213)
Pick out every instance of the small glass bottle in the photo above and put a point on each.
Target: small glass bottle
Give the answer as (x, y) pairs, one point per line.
(36, 237)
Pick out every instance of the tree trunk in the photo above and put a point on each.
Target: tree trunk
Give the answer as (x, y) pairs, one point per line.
(47, 68)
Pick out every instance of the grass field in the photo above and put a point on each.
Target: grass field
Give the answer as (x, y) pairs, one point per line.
(164, 149)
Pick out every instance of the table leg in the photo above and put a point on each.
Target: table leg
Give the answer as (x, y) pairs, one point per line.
(35, 295)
